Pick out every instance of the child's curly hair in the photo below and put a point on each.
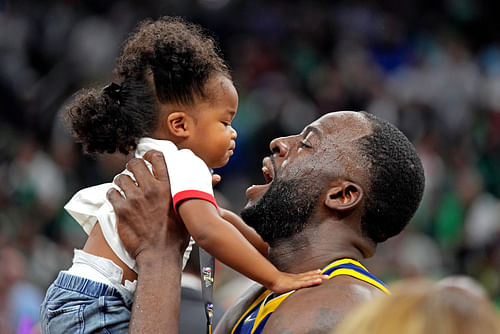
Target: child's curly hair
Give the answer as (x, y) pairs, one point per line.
(181, 59)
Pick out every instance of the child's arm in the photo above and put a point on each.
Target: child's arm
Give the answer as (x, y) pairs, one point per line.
(249, 233)
(226, 243)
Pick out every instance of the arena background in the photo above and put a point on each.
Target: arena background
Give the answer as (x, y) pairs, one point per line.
(430, 67)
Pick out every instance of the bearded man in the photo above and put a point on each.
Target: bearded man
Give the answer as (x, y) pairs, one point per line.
(347, 182)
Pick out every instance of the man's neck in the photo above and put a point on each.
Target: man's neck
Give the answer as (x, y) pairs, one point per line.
(316, 247)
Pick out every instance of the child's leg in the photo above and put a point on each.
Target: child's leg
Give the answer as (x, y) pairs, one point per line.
(97, 245)
(77, 305)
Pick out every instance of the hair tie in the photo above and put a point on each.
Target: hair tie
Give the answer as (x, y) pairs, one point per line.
(113, 90)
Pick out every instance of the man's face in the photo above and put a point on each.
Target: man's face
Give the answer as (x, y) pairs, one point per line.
(284, 209)
(300, 169)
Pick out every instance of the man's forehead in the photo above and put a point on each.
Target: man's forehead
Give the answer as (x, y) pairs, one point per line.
(348, 125)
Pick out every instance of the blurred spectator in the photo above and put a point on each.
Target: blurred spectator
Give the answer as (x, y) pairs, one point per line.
(19, 299)
(421, 308)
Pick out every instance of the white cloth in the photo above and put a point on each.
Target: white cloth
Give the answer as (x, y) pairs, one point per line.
(189, 178)
(99, 269)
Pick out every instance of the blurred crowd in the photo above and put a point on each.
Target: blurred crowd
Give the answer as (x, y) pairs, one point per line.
(430, 67)
(417, 306)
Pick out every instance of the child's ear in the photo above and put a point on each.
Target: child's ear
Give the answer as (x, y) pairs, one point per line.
(178, 123)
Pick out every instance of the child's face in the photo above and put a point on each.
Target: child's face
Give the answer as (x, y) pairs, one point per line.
(213, 138)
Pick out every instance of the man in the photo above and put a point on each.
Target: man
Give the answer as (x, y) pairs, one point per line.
(333, 192)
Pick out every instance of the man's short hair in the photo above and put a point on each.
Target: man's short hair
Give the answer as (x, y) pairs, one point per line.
(396, 180)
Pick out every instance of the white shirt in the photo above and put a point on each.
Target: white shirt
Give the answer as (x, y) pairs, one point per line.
(189, 178)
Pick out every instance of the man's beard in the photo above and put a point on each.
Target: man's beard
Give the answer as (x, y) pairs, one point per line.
(284, 210)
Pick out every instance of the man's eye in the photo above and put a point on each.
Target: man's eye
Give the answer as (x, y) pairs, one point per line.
(303, 144)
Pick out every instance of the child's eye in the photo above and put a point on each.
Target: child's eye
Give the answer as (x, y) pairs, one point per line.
(226, 123)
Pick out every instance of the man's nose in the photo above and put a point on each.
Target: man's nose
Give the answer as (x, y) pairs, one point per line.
(279, 146)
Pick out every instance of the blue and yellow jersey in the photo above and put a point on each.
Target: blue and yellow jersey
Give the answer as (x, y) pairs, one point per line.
(256, 316)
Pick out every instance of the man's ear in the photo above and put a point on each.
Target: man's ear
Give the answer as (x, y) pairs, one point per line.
(178, 123)
(343, 196)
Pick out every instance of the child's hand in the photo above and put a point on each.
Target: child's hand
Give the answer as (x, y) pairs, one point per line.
(287, 282)
(215, 179)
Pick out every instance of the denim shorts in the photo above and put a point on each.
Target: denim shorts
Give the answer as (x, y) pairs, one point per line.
(78, 305)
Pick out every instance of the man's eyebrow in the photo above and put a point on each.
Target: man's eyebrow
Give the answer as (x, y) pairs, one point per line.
(314, 129)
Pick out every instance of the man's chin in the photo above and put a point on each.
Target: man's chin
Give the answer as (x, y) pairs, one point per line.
(280, 209)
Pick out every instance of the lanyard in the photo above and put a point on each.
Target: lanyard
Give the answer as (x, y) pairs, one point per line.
(207, 271)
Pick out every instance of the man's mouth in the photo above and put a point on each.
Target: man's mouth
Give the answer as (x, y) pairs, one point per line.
(268, 170)
(256, 191)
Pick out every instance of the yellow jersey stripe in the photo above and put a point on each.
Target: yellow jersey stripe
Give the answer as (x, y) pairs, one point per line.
(263, 311)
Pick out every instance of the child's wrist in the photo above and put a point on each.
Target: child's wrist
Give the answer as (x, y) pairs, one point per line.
(275, 281)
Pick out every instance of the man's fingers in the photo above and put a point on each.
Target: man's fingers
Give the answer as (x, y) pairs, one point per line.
(141, 172)
(125, 183)
(114, 196)
(158, 164)
(137, 166)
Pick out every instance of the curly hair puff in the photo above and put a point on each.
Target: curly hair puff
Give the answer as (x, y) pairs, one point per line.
(181, 58)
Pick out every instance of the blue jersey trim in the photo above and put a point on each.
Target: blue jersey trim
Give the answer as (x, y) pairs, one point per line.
(356, 268)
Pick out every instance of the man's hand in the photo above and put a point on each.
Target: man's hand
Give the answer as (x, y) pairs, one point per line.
(154, 235)
(143, 215)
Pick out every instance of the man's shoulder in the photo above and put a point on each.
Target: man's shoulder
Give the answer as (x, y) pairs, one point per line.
(317, 308)
(236, 310)
(338, 291)
(321, 307)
